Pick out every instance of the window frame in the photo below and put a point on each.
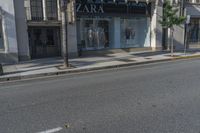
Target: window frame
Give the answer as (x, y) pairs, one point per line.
(52, 9)
(36, 7)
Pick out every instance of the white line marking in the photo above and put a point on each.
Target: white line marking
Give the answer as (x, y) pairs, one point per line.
(52, 130)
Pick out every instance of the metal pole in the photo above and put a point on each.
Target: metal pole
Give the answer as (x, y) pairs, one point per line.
(187, 30)
(186, 39)
(168, 39)
(172, 41)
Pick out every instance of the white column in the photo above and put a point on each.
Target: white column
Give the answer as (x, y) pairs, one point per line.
(147, 39)
(156, 28)
(44, 4)
(58, 5)
(117, 29)
(5, 39)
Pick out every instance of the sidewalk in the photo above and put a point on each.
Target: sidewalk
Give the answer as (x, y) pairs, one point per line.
(51, 66)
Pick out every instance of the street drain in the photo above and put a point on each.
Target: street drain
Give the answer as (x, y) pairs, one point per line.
(126, 60)
(148, 58)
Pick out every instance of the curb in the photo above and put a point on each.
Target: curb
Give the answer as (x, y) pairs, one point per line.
(17, 78)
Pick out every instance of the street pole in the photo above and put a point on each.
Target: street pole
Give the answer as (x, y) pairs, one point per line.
(186, 34)
(172, 41)
(64, 33)
(186, 39)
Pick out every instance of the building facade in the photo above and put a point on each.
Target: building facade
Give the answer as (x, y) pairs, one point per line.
(93, 25)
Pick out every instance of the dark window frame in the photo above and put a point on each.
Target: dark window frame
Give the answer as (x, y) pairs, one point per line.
(36, 10)
(52, 9)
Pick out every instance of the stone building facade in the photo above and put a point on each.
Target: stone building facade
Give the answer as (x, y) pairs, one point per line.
(31, 29)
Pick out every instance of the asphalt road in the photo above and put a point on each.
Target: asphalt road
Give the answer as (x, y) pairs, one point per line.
(157, 98)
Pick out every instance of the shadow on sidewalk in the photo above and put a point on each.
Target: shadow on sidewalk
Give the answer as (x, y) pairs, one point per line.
(146, 54)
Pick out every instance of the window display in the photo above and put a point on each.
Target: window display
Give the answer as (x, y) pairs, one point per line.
(94, 34)
(101, 33)
(194, 33)
(134, 33)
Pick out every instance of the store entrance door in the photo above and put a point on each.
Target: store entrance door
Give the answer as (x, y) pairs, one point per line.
(44, 42)
(94, 33)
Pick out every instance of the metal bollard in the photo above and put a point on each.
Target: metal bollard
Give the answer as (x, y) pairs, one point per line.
(1, 69)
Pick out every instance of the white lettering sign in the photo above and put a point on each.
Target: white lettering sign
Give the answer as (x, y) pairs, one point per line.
(90, 8)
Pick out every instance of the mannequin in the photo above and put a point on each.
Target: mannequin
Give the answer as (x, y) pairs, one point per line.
(90, 36)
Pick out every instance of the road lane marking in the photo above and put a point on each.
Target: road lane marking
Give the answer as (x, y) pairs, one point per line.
(52, 130)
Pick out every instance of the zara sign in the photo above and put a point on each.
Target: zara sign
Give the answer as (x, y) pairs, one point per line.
(102, 7)
(89, 8)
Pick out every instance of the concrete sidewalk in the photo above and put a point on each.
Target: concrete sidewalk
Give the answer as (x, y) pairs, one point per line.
(51, 66)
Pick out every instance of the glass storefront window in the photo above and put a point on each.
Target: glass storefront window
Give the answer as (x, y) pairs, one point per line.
(113, 32)
(1, 36)
(135, 33)
(194, 33)
(93, 33)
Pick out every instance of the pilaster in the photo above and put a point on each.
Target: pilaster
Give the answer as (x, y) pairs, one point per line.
(44, 4)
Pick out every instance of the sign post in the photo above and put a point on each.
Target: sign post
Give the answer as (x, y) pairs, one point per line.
(186, 36)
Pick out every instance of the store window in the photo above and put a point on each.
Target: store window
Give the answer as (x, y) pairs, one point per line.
(1, 36)
(135, 32)
(52, 11)
(194, 33)
(36, 10)
(93, 33)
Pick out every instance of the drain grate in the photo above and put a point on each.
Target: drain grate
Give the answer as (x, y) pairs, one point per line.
(126, 60)
(148, 58)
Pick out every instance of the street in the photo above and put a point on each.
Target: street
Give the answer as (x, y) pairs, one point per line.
(154, 98)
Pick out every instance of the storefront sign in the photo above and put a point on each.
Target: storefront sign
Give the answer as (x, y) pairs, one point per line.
(103, 7)
(89, 8)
